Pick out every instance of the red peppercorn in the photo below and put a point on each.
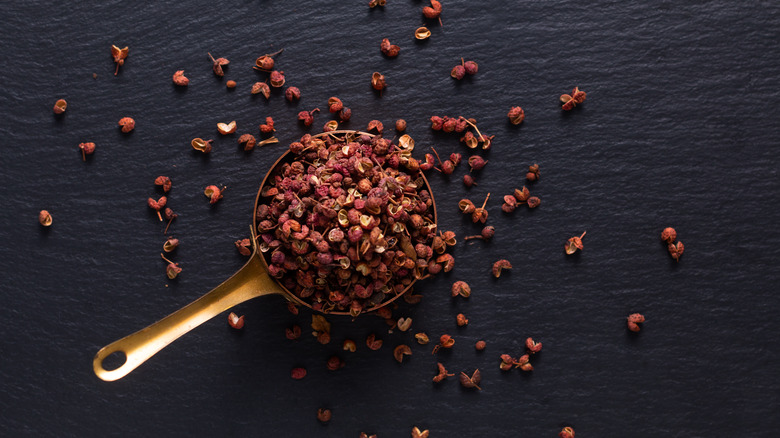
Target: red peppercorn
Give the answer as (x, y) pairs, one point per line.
(480, 345)
(127, 124)
(534, 202)
(669, 235)
(235, 321)
(400, 125)
(470, 67)
(277, 79)
(86, 149)
(468, 180)
(345, 114)
(476, 162)
(378, 81)
(516, 115)
(298, 373)
(458, 72)
(292, 93)
(335, 105)
(261, 88)
(566, 432)
(307, 117)
(230, 84)
(179, 79)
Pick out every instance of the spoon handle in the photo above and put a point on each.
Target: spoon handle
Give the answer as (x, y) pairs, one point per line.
(251, 281)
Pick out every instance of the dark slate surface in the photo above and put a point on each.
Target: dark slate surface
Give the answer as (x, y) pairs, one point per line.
(680, 128)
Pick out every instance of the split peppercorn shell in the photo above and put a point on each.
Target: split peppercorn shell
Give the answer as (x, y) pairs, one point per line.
(60, 106)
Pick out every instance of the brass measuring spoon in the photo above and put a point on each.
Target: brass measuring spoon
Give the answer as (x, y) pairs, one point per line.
(251, 281)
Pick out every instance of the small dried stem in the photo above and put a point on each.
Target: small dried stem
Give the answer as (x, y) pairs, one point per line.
(212, 58)
(163, 257)
(169, 224)
(159, 215)
(486, 199)
(473, 125)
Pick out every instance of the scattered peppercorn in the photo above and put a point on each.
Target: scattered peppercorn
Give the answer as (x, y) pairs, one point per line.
(335, 363)
(634, 319)
(676, 250)
(179, 79)
(422, 33)
(231, 84)
(400, 125)
(471, 67)
(266, 62)
(421, 338)
(389, 50)
(516, 115)
(445, 341)
(499, 266)
(227, 128)
(349, 345)
(218, 65)
(268, 126)
(307, 117)
(86, 149)
(277, 79)
(244, 247)
(570, 101)
(669, 235)
(433, 11)
(345, 114)
(172, 270)
(458, 72)
(442, 374)
(461, 320)
(373, 343)
(378, 81)
(157, 205)
(214, 193)
(461, 288)
(574, 244)
(375, 126)
(292, 93)
(170, 245)
(247, 141)
(471, 381)
(400, 351)
(170, 215)
(298, 373)
(127, 124)
(201, 145)
(566, 432)
(417, 433)
(119, 56)
(235, 321)
(261, 88)
(60, 106)
(44, 218)
(323, 415)
(476, 162)
(533, 346)
(480, 345)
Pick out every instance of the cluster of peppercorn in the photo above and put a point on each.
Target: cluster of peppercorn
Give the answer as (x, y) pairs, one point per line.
(669, 235)
(352, 229)
(389, 50)
(523, 362)
(461, 70)
(519, 197)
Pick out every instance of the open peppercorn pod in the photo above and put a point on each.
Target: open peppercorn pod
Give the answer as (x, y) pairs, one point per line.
(261, 273)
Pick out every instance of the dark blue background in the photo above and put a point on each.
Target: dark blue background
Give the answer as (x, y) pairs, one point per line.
(680, 128)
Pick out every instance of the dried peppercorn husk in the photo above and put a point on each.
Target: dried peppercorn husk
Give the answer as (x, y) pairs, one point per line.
(516, 115)
(499, 266)
(179, 79)
(400, 351)
(442, 374)
(227, 128)
(417, 433)
(218, 65)
(633, 320)
(471, 381)
(261, 88)
(86, 149)
(669, 235)
(277, 79)
(119, 56)
(164, 182)
(574, 244)
(44, 218)
(566, 432)
(201, 145)
(378, 81)
(247, 141)
(676, 250)
(461, 288)
(170, 245)
(422, 33)
(127, 124)
(244, 247)
(60, 106)
(214, 193)
(576, 97)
